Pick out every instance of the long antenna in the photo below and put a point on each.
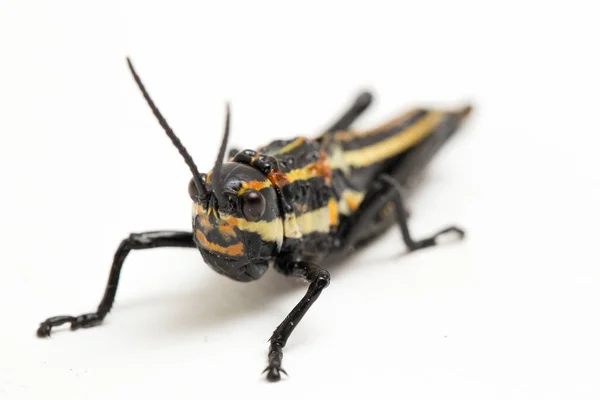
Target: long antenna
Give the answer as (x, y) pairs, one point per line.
(163, 122)
(216, 173)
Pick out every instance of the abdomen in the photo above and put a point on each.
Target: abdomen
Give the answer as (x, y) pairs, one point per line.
(401, 148)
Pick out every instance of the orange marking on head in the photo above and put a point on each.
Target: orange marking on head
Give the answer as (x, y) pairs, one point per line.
(204, 222)
(227, 231)
(226, 228)
(233, 250)
(232, 221)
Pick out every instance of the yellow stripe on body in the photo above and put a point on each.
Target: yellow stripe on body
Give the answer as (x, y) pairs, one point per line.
(304, 173)
(293, 226)
(394, 145)
(334, 217)
(293, 145)
(271, 231)
(320, 168)
(350, 201)
(319, 220)
(268, 230)
(322, 219)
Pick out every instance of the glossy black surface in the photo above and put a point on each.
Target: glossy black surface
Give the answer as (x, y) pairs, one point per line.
(254, 187)
(360, 105)
(319, 280)
(253, 205)
(256, 252)
(384, 190)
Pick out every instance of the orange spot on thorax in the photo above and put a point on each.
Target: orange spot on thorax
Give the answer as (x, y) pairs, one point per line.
(322, 167)
(277, 178)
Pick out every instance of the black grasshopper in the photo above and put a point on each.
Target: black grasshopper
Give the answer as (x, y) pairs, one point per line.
(295, 205)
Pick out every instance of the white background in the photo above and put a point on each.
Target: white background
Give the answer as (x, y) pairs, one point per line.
(511, 313)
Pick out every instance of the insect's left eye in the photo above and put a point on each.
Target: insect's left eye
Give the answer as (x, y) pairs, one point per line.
(253, 205)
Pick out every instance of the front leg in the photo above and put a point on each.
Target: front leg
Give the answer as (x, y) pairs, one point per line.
(135, 241)
(319, 280)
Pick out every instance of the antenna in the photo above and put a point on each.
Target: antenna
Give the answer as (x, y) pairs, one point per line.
(163, 122)
(216, 174)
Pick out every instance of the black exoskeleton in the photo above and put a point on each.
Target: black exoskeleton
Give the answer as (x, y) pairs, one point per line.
(295, 205)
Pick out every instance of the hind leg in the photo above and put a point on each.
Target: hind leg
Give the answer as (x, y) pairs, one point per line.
(361, 103)
(385, 190)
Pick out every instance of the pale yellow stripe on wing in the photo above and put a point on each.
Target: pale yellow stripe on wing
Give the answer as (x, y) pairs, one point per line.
(293, 145)
(395, 144)
(301, 173)
(312, 170)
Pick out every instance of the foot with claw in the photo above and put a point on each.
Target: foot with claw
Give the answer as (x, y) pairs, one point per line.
(274, 373)
(135, 241)
(446, 235)
(82, 321)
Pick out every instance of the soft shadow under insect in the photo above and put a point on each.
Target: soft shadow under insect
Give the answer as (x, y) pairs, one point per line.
(228, 301)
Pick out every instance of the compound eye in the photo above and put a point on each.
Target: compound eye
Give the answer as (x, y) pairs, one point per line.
(253, 205)
(193, 190)
(198, 194)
